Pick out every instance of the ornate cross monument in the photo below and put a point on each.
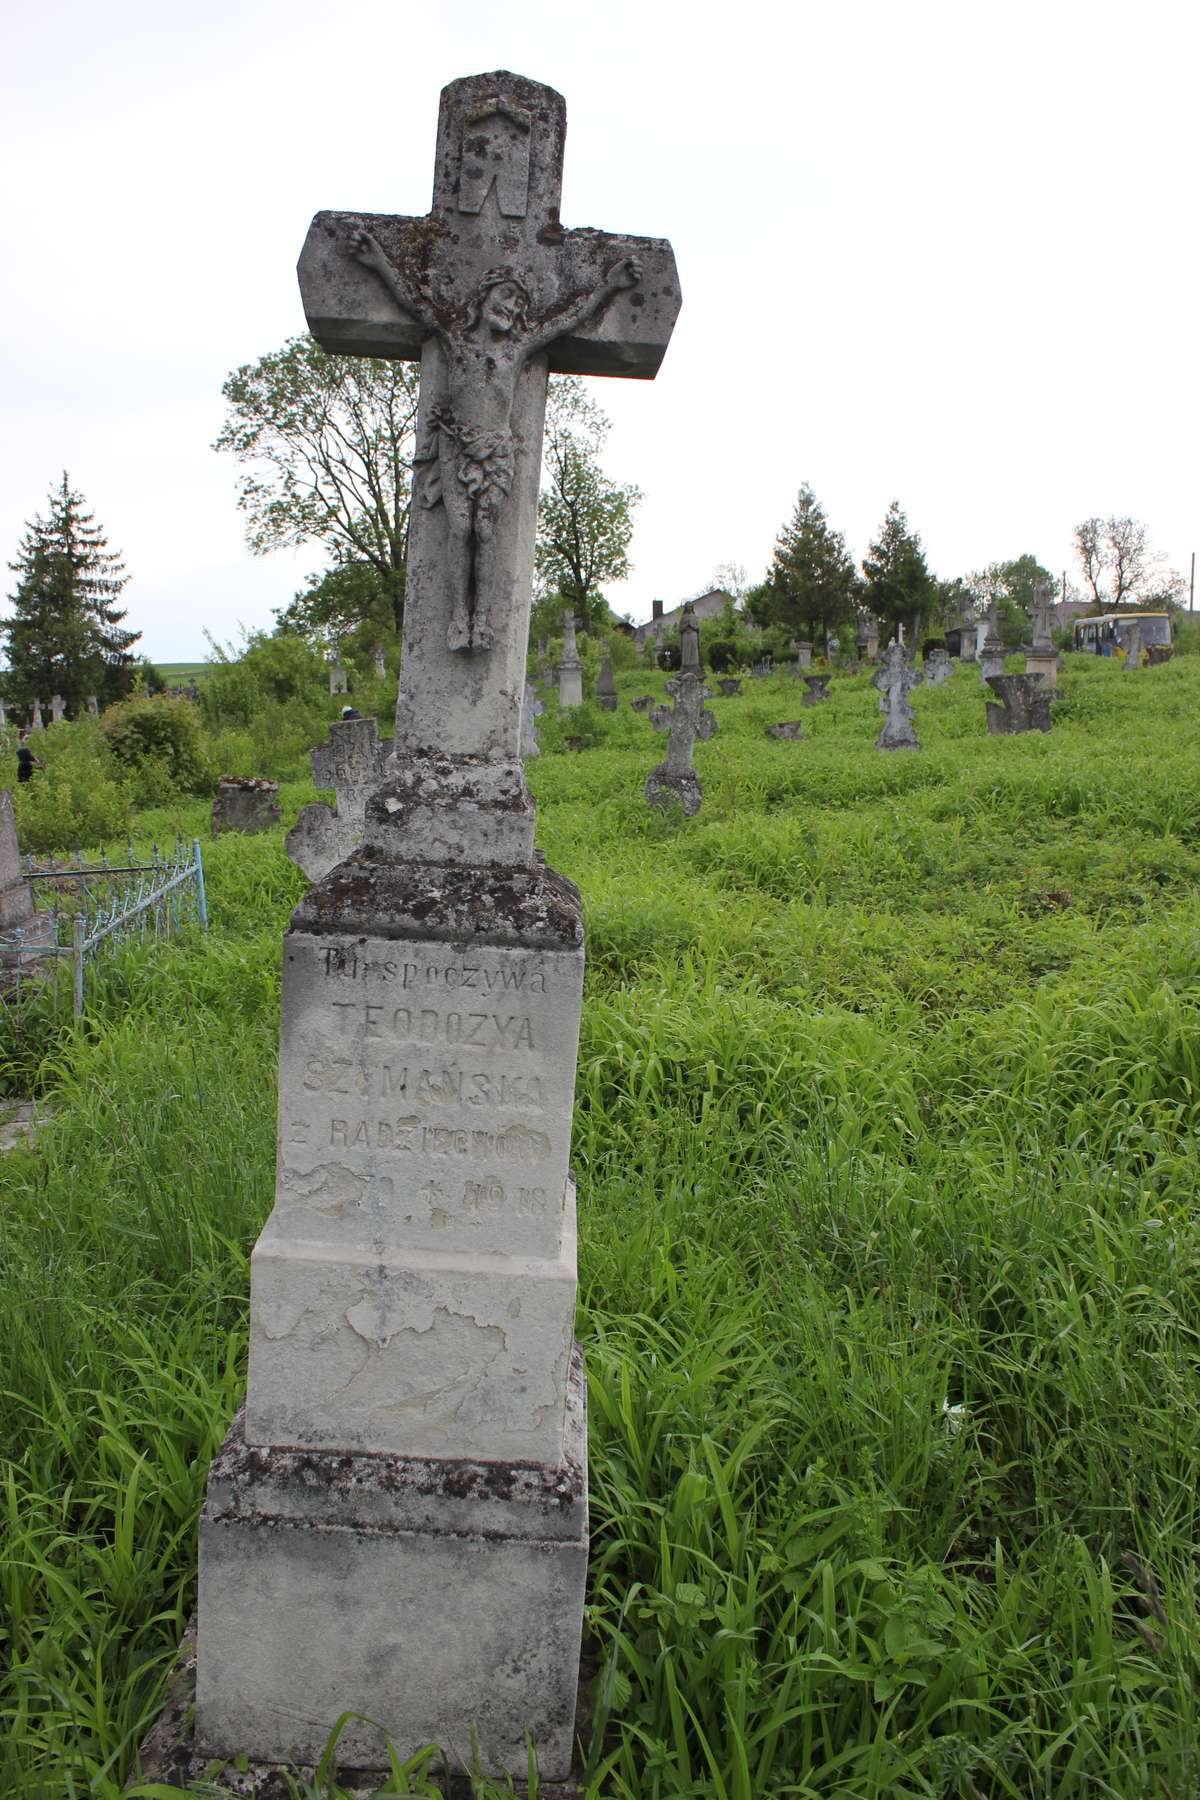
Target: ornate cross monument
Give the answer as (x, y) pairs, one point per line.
(397, 1522)
(894, 680)
(674, 779)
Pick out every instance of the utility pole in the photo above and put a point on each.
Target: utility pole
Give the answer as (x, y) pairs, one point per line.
(1192, 588)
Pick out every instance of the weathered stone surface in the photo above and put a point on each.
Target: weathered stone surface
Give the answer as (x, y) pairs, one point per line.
(729, 685)
(643, 703)
(894, 680)
(606, 692)
(58, 709)
(816, 689)
(659, 716)
(352, 762)
(378, 661)
(339, 681)
(448, 1594)
(791, 731)
(245, 803)
(570, 669)
(991, 646)
(1131, 640)
(1042, 658)
(16, 894)
(1023, 703)
(93, 706)
(1159, 654)
(804, 652)
(938, 667)
(531, 712)
(35, 716)
(674, 779)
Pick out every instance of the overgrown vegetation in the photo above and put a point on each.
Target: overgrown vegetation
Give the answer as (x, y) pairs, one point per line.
(886, 1136)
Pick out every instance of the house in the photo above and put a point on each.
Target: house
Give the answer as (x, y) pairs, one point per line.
(661, 624)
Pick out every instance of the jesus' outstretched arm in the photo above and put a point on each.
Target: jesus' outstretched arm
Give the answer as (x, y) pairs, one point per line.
(364, 249)
(624, 274)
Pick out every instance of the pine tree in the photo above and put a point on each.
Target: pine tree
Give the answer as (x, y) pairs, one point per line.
(899, 588)
(64, 635)
(811, 584)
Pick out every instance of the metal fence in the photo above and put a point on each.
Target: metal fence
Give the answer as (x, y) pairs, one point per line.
(84, 909)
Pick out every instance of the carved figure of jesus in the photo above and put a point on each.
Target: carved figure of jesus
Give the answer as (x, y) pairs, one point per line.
(470, 466)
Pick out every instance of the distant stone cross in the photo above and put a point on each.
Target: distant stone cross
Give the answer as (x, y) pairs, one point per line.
(352, 762)
(674, 778)
(492, 294)
(895, 679)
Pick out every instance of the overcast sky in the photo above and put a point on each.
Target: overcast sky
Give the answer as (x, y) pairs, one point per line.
(944, 254)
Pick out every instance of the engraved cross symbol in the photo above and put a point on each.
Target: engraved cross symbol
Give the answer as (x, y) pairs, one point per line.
(491, 293)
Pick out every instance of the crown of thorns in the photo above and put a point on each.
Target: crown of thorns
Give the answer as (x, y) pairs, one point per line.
(493, 278)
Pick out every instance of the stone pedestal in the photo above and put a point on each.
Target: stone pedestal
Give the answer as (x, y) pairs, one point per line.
(1022, 704)
(397, 1522)
(570, 684)
(1042, 662)
(816, 689)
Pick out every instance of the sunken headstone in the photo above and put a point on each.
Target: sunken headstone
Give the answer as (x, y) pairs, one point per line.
(1022, 704)
(895, 679)
(352, 762)
(791, 731)
(729, 685)
(397, 1523)
(570, 669)
(816, 689)
(643, 703)
(245, 803)
(531, 711)
(938, 667)
(606, 692)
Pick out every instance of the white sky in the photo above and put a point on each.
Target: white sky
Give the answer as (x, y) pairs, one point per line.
(943, 253)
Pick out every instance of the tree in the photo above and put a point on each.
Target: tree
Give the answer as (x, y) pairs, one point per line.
(811, 585)
(1009, 586)
(65, 636)
(328, 442)
(349, 604)
(1120, 568)
(584, 518)
(899, 588)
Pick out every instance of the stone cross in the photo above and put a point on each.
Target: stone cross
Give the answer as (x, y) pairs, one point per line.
(58, 707)
(410, 1464)
(674, 779)
(606, 692)
(377, 657)
(352, 762)
(938, 666)
(492, 294)
(570, 669)
(531, 711)
(93, 706)
(35, 717)
(895, 679)
(1043, 657)
(338, 680)
(3, 714)
(991, 652)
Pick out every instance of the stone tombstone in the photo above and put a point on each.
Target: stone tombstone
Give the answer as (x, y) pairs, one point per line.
(643, 703)
(245, 803)
(35, 717)
(339, 682)
(397, 1521)
(938, 667)
(1042, 658)
(93, 706)
(606, 692)
(804, 653)
(895, 679)
(378, 661)
(1131, 643)
(570, 669)
(3, 714)
(659, 715)
(352, 762)
(791, 731)
(20, 922)
(1158, 654)
(729, 685)
(991, 651)
(531, 712)
(673, 778)
(816, 689)
(58, 709)
(866, 637)
(1022, 703)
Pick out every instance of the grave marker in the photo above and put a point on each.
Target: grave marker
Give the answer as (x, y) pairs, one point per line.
(606, 692)
(58, 709)
(895, 679)
(570, 669)
(1043, 657)
(397, 1523)
(1023, 704)
(674, 778)
(938, 666)
(531, 712)
(352, 762)
(338, 680)
(991, 652)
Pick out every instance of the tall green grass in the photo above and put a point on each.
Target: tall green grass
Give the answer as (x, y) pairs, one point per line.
(886, 1135)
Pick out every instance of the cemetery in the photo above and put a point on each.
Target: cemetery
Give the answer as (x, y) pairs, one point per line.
(623, 1243)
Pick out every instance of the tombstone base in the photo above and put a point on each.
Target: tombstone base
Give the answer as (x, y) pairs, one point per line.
(1044, 664)
(443, 1600)
(666, 787)
(462, 810)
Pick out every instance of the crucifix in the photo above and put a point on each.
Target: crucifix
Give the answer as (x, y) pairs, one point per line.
(491, 294)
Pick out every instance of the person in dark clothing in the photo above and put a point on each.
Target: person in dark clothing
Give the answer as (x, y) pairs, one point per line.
(27, 762)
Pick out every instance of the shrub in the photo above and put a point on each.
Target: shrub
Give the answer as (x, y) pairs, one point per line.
(157, 740)
(77, 797)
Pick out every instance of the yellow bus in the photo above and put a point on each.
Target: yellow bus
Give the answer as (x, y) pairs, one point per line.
(1105, 635)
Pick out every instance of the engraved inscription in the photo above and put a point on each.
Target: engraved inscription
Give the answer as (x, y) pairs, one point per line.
(428, 1025)
(344, 963)
(447, 1086)
(489, 1197)
(515, 1144)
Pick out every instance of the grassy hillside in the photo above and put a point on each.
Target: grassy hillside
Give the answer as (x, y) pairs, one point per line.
(886, 1140)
